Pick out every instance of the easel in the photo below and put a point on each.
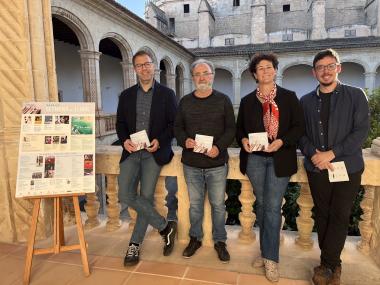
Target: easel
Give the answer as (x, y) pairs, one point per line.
(59, 239)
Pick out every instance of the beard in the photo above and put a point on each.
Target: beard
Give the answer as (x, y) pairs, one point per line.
(203, 86)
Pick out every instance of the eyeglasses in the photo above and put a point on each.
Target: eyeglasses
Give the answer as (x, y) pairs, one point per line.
(329, 67)
(202, 74)
(147, 64)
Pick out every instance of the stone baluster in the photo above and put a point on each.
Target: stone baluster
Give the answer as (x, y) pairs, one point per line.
(160, 196)
(113, 209)
(246, 216)
(366, 226)
(304, 221)
(92, 209)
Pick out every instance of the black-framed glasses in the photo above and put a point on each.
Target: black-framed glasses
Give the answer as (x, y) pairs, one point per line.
(147, 64)
(329, 67)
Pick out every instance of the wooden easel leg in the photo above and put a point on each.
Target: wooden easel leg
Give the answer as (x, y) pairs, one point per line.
(83, 249)
(31, 239)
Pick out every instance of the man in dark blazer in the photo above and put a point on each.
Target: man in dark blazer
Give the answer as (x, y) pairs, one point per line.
(145, 107)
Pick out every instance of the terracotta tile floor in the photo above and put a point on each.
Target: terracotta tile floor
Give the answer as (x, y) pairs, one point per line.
(106, 252)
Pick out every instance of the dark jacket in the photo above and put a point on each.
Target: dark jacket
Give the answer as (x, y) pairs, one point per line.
(250, 120)
(347, 127)
(162, 115)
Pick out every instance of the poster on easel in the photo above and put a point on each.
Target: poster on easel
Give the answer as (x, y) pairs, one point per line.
(56, 149)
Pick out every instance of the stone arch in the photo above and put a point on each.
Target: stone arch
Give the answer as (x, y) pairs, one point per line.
(282, 69)
(363, 64)
(168, 64)
(299, 78)
(247, 83)
(179, 80)
(80, 29)
(122, 44)
(229, 69)
(223, 82)
(353, 73)
(151, 52)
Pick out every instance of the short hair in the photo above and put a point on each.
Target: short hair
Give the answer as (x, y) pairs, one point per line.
(141, 53)
(202, 61)
(262, 56)
(324, 53)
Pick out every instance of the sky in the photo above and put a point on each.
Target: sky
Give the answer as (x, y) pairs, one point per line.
(136, 6)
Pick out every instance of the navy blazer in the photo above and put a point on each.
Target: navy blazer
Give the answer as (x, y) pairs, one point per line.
(162, 115)
(250, 120)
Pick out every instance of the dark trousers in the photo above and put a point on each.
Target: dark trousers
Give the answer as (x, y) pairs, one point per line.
(333, 204)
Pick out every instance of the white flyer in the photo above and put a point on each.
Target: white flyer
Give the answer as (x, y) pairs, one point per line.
(258, 141)
(339, 173)
(203, 143)
(140, 139)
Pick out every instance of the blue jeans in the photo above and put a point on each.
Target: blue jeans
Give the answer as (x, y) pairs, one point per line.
(171, 199)
(269, 190)
(141, 167)
(212, 180)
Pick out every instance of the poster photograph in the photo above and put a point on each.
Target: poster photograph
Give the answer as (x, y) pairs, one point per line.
(57, 149)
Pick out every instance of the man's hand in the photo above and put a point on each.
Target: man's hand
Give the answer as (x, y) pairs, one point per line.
(322, 159)
(154, 145)
(213, 152)
(129, 146)
(274, 146)
(246, 145)
(190, 143)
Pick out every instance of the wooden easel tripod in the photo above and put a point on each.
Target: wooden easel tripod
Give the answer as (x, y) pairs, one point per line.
(59, 240)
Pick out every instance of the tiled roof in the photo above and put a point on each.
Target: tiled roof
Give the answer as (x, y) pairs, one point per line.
(280, 47)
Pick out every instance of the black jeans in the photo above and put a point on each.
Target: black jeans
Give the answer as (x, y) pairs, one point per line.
(333, 204)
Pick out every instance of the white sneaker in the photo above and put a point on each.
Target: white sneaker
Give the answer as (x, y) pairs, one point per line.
(271, 270)
(258, 262)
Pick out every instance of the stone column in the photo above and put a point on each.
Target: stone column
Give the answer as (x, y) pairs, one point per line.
(157, 73)
(279, 78)
(370, 80)
(236, 81)
(318, 14)
(170, 81)
(91, 77)
(366, 226)
(258, 20)
(188, 85)
(27, 73)
(129, 76)
(246, 216)
(304, 221)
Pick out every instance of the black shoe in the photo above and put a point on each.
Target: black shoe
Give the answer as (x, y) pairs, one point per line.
(192, 247)
(221, 249)
(132, 256)
(168, 235)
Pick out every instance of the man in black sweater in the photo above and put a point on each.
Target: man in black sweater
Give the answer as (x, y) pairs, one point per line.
(205, 112)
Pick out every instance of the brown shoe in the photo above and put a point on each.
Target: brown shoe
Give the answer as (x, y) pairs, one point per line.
(335, 279)
(322, 275)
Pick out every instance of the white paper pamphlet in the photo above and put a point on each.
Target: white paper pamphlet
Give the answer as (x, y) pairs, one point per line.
(203, 143)
(140, 139)
(340, 172)
(258, 141)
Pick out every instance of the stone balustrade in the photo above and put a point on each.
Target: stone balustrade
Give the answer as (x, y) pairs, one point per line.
(107, 163)
(105, 124)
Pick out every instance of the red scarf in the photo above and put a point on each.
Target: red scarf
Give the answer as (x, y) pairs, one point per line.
(271, 113)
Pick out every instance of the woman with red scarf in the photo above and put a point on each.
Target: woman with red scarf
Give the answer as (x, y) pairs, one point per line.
(276, 112)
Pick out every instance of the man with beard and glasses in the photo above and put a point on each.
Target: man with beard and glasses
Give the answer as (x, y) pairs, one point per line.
(209, 113)
(337, 124)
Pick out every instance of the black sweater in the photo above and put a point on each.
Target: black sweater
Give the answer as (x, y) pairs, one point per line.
(211, 116)
(250, 120)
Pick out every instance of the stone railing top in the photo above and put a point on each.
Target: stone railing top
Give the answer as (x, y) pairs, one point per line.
(107, 162)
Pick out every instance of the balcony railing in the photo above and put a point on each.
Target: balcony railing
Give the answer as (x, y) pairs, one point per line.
(105, 124)
(107, 163)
